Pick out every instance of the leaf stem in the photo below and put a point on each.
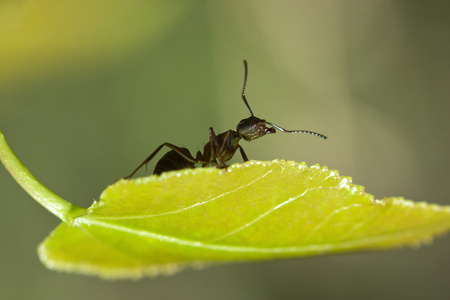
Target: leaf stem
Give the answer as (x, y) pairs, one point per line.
(58, 206)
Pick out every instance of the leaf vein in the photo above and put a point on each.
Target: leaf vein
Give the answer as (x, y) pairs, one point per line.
(195, 205)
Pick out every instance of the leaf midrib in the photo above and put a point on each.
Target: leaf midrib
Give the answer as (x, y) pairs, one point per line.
(315, 248)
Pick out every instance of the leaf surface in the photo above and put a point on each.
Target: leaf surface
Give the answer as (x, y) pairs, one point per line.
(251, 211)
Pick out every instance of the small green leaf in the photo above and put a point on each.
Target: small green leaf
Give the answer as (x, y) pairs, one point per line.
(251, 211)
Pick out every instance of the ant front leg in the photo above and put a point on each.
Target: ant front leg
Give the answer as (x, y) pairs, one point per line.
(177, 149)
(244, 156)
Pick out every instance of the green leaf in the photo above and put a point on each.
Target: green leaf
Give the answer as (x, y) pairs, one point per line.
(251, 211)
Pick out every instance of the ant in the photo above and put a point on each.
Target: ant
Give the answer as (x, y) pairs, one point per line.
(220, 148)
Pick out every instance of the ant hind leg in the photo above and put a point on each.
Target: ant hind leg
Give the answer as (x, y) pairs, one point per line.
(181, 151)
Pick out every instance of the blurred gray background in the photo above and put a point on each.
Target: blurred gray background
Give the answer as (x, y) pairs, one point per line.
(89, 89)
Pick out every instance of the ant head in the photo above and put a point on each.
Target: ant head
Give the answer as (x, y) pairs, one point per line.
(253, 128)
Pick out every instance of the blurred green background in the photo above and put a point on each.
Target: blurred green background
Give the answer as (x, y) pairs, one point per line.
(88, 89)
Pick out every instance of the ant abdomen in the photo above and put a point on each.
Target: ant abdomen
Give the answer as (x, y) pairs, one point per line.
(172, 161)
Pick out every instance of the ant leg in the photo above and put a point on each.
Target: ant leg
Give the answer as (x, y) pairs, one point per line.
(244, 156)
(145, 162)
(214, 141)
(229, 136)
(215, 149)
(214, 163)
(228, 149)
(171, 146)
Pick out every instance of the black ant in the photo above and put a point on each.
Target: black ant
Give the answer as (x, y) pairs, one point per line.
(220, 148)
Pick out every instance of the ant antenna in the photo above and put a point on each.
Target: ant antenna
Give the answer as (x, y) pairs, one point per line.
(243, 88)
(271, 124)
(297, 131)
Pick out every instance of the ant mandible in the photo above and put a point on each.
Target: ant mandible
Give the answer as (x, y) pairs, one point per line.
(220, 148)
